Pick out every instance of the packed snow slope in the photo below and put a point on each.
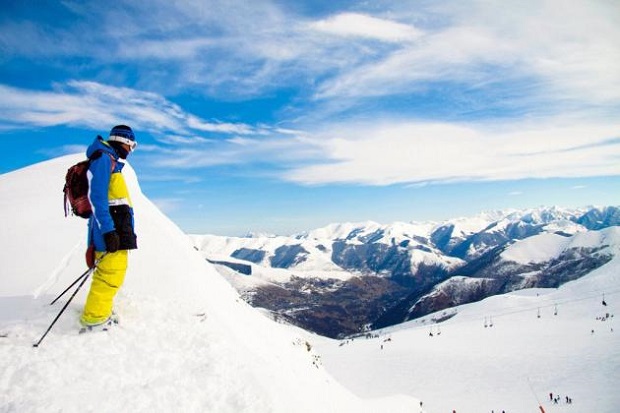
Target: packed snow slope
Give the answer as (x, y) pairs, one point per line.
(505, 353)
(185, 342)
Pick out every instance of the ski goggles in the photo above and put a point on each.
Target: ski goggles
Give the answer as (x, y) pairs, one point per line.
(132, 144)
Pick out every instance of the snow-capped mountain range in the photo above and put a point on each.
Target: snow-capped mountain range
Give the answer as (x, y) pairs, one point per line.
(402, 271)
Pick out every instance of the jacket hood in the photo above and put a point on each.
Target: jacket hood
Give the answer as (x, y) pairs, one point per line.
(100, 145)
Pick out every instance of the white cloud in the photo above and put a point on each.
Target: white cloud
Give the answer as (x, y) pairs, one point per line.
(277, 150)
(566, 51)
(410, 152)
(172, 139)
(167, 49)
(172, 177)
(188, 157)
(535, 55)
(92, 104)
(361, 25)
(196, 123)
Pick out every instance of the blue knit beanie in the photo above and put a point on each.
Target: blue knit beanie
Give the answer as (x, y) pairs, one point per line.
(123, 134)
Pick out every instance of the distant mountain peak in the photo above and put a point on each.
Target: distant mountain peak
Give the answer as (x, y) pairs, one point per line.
(402, 263)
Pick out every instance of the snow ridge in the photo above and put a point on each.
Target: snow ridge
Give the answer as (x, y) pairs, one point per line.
(185, 342)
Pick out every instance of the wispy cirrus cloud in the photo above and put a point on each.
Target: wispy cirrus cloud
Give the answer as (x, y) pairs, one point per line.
(548, 60)
(236, 49)
(275, 153)
(185, 140)
(405, 152)
(91, 104)
(378, 152)
(365, 26)
(567, 54)
(196, 123)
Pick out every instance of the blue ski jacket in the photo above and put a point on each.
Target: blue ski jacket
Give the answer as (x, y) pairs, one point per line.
(109, 198)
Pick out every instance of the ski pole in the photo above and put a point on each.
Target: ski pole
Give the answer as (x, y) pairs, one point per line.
(63, 309)
(90, 270)
(85, 274)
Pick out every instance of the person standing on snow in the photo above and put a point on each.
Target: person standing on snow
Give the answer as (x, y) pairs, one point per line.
(111, 225)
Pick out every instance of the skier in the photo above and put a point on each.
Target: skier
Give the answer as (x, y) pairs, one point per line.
(111, 225)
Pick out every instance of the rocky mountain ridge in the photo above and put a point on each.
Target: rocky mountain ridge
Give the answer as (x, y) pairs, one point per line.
(345, 278)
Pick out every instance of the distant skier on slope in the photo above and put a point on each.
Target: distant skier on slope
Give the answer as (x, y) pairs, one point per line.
(111, 225)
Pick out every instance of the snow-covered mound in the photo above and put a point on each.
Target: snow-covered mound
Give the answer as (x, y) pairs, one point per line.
(185, 342)
(547, 246)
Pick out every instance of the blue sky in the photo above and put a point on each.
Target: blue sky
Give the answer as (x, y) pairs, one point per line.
(279, 116)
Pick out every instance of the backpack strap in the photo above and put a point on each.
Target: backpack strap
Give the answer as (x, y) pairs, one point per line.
(97, 154)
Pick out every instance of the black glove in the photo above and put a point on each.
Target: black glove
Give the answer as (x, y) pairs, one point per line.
(112, 241)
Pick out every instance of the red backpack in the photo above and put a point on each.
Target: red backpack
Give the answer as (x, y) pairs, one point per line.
(76, 188)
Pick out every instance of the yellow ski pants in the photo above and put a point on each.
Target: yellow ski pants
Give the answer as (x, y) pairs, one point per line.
(107, 279)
